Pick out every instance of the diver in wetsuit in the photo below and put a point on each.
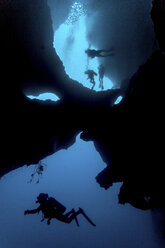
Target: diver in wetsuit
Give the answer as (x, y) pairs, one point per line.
(91, 74)
(51, 208)
(101, 76)
(92, 53)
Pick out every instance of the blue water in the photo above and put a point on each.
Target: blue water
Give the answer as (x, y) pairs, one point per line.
(70, 43)
(69, 176)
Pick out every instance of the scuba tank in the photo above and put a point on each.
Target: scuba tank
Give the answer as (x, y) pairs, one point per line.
(56, 204)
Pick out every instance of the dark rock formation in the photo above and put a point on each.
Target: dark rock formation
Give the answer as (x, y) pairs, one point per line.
(29, 65)
(158, 17)
(129, 136)
(135, 148)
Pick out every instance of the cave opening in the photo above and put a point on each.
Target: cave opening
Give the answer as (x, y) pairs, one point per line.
(45, 96)
(123, 26)
(70, 43)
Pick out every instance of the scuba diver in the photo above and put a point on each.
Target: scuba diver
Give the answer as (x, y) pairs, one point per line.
(51, 209)
(92, 53)
(101, 76)
(91, 74)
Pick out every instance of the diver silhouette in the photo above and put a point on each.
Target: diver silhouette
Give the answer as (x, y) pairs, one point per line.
(91, 74)
(92, 53)
(101, 76)
(52, 209)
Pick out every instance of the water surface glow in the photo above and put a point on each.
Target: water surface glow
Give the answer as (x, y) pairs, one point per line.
(70, 43)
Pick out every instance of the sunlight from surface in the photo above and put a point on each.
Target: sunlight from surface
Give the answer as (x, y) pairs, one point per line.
(45, 96)
(77, 10)
(70, 43)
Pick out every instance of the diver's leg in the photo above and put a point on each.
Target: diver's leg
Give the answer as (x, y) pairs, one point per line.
(101, 51)
(107, 50)
(93, 85)
(69, 213)
(102, 87)
(86, 217)
(76, 220)
(73, 216)
(108, 55)
(100, 82)
(93, 82)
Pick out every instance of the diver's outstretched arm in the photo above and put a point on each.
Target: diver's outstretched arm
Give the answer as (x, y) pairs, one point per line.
(33, 211)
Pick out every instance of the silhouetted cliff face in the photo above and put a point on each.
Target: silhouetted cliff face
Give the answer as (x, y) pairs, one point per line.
(158, 17)
(29, 64)
(135, 151)
(128, 136)
(134, 143)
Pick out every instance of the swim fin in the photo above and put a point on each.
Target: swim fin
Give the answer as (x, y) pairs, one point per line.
(86, 217)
